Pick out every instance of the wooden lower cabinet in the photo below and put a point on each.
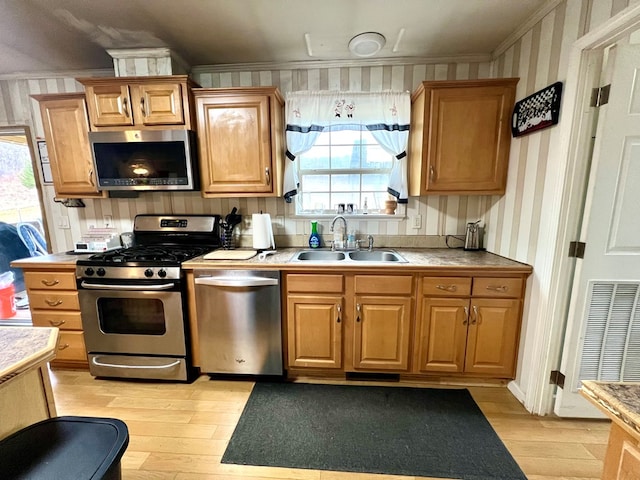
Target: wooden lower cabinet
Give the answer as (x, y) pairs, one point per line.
(365, 322)
(314, 331)
(469, 335)
(53, 300)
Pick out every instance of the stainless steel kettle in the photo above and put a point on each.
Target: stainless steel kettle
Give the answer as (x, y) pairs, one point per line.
(474, 236)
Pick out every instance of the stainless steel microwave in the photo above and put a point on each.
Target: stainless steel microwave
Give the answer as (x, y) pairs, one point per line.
(145, 160)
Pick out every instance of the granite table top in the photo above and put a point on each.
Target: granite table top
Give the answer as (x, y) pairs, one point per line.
(23, 347)
(620, 400)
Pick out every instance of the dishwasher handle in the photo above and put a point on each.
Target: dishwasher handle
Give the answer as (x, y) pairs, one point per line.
(237, 282)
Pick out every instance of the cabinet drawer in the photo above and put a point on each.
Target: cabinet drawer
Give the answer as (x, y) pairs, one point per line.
(50, 280)
(53, 300)
(71, 347)
(315, 283)
(446, 286)
(387, 284)
(61, 319)
(497, 287)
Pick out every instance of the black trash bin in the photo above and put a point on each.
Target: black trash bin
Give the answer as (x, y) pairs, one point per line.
(65, 448)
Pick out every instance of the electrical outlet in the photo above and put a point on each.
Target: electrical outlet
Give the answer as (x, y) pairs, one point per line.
(63, 222)
(107, 220)
(416, 221)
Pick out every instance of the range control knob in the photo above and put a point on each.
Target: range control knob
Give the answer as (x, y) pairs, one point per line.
(89, 271)
(162, 273)
(101, 272)
(148, 273)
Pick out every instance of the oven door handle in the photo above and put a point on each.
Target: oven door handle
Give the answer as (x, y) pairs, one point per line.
(114, 365)
(237, 282)
(102, 286)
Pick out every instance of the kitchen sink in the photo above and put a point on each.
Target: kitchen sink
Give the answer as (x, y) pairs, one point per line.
(319, 255)
(376, 256)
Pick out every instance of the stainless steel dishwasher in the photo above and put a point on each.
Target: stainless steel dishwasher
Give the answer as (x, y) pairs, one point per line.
(239, 324)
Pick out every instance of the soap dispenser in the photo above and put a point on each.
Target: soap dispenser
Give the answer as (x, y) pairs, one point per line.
(314, 238)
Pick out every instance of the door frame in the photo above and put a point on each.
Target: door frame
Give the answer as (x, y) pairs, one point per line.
(37, 171)
(566, 204)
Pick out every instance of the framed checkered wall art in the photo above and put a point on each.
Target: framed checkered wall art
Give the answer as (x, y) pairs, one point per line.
(537, 111)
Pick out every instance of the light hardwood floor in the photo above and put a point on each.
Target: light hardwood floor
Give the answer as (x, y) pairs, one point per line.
(180, 431)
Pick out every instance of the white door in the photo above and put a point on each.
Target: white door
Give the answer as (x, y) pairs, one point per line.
(602, 341)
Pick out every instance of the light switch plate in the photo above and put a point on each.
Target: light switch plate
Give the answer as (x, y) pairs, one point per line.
(416, 221)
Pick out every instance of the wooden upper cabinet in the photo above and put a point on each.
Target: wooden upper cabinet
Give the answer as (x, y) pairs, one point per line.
(460, 136)
(143, 102)
(241, 141)
(66, 128)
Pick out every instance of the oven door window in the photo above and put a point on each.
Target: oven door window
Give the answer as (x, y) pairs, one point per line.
(135, 316)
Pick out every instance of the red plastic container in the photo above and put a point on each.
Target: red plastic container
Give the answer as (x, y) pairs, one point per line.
(7, 302)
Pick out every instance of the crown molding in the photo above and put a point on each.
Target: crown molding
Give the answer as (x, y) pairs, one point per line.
(103, 72)
(537, 16)
(308, 64)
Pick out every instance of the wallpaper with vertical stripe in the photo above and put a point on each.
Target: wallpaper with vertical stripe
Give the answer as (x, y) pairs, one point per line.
(514, 222)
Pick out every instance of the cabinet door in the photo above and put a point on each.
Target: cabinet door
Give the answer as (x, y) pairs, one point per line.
(469, 139)
(66, 128)
(492, 338)
(442, 335)
(314, 331)
(381, 333)
(159, 104)
(235, 144)
(109, 105)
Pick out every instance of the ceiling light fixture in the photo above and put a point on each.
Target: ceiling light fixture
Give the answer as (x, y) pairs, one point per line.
(366, 44)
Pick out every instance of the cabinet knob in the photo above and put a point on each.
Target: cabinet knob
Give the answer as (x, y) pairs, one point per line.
(339, 308)
(50, 283)
(53, 303)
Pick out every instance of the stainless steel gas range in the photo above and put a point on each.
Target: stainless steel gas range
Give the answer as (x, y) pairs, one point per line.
(133, 300)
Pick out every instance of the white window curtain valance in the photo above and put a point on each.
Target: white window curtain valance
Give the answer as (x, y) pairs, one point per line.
(385, 114)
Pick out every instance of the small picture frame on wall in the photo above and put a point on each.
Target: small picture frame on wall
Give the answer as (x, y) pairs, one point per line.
(537, 111)
(44, 161)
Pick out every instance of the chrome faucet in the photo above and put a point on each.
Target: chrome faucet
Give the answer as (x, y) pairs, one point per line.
(344, 232)
(370, 239)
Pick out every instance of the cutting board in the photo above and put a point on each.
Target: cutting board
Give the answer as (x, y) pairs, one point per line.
(230, 255)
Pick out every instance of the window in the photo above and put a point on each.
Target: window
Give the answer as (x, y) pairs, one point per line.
(345, 167)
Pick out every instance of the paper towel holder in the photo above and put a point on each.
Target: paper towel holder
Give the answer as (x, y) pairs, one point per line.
(262, 232)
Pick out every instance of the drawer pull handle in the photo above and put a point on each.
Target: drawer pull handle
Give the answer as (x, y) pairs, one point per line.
(432, 173)
(63, 347)
(448, 288)
(268, 174)
(57, 323)
(339, 308)
(466, 316)
(53, 303)
(144, 113)
(358, 310)
(50, 283)
(497, 288)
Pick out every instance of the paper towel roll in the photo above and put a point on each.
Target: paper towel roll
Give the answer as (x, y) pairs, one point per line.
(262, 231)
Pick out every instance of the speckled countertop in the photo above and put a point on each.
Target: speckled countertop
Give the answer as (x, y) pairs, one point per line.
(417, 259)
(23, 347)
(620, 400)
